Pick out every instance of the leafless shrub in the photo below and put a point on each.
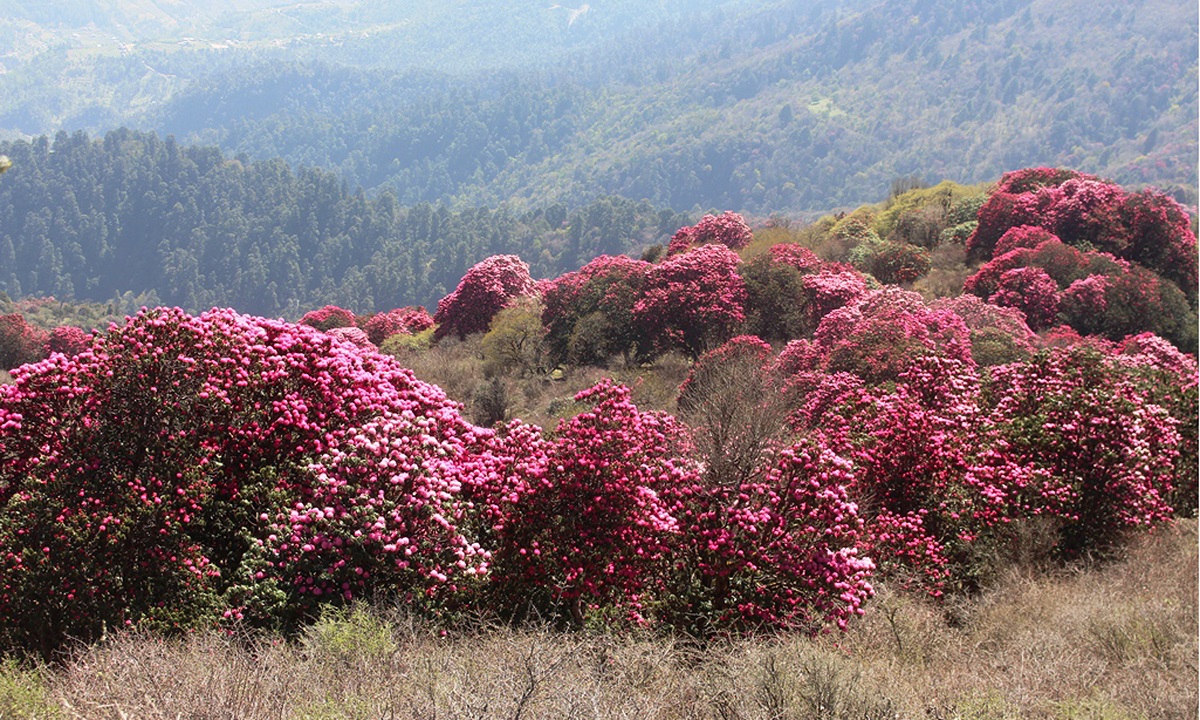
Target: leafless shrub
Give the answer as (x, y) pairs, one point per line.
(737, 416)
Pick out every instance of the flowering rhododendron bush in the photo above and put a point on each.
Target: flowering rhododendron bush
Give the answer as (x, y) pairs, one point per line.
(780, 550)
(728, 229)
(911, 446)
(353, 335)
(483, 291)
(999, 335)
(607, 518)
(692, 302)
(588, 314)
(580, 523)
(1170, 379)
(1095, 293)
(1062, 263)
(879, 336)
(1145, 227)
(946, 460)
(20, 342)
(1032, 291)
(789, 290)
(1091, 425)
(378, 514)
(67, 340)
(1022, 236)
(184, 467)
(409, 320)
(328, 318)
(186, 471)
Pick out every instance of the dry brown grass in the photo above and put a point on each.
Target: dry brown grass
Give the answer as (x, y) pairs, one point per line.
(540, 399)
(1116, 642)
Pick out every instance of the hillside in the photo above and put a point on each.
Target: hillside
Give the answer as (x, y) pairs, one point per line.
(862, 446)
(742, 440)
(464, 35)
(89, 218)
(184, 472)
(939, 89)
(783, 107)
(98, 64)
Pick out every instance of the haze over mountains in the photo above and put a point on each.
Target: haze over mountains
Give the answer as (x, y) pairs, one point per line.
(766, 107)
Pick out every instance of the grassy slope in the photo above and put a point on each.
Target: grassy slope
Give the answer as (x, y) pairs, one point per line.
(1113, 642)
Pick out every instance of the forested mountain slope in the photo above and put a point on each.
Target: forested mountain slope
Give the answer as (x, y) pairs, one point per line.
(87, 218)
(766, 107)
(455, 34)
(96, 64)
(944, 89)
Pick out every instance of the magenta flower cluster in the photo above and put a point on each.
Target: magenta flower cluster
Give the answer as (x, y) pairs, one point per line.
(728, 229)
(1146, 227)
(1095, 293)
(877, 337)
(328, 318)
(22, 343)
(484, 291)
(370, 329)
(182, 471)
(945, 460)
(407, 320)
(692, 301)
(183, 466)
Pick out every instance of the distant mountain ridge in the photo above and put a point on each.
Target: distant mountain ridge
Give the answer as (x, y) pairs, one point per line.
(787, 106)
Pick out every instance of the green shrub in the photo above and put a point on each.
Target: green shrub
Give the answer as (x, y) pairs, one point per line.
(349, 636)
(958, 234)
(514, 344)
(23, 694)
(401, 344)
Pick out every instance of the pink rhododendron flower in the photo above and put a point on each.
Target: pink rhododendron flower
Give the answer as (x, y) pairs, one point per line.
(483, 291)
(328, 317)
(728, 229)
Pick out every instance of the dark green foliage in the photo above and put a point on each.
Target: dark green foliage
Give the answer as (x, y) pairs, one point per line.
(993, 346)
(1139, 301)
(965, 209)
(775, 300)
(489, 405)
(92, 218)
(588, 315)
(593, 340)
(959, 233)
(922, 228)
